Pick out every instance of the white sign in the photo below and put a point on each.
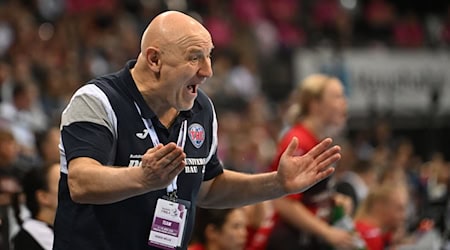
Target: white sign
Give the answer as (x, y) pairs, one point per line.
(397, 81)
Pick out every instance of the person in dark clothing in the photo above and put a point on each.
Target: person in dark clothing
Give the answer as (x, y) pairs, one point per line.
(40, 186)
(139, 150)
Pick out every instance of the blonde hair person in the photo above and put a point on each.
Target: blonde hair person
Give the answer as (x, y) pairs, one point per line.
(305, 97)
(319, 110)
(382, 214)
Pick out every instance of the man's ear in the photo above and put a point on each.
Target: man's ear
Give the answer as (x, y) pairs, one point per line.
(153, 58)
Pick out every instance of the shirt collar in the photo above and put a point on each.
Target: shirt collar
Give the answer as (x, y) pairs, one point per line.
(132, 90)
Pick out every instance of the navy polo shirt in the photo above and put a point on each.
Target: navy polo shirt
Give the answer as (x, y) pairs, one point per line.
(102, 122)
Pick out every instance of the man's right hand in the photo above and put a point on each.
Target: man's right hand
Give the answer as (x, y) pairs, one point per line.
(161, 165)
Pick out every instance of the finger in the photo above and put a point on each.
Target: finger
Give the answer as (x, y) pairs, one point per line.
(319, 148)
(154, 149)
(329, 152)
(160, 155)
(177, 167)
(175, 156)
(324, 174)
(328, 162)
(163, 151)
(292, 147)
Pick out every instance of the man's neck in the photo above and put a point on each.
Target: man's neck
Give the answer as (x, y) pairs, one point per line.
(168, 117)
(165, 113)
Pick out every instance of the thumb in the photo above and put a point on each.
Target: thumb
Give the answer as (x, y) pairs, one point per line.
(292, 147)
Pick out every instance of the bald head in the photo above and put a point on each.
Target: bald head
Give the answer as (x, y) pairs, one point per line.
(171, 28)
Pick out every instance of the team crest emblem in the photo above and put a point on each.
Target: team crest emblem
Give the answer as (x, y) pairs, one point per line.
(196, 134)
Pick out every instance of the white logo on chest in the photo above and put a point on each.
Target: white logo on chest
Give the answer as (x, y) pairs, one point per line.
(143, 134)
(191, 169)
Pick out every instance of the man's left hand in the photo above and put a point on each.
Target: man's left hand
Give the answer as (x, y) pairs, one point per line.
(298, 173)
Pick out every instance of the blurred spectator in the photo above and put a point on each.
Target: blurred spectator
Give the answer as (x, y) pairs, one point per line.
(379, 17)
(5, 81)
(401, 168)
(325, 14)
(358, 181)
(48, 145)
(40, 187)
(260, 220)
(25, 117)
(10, 176)
(381, 215)
(408, 31)
(446, 28)
(284, 15)
(348, 158)
(10, 164)
(220, 25)
(248, 12)
(319, 110)
(435, 176)
(219, 229)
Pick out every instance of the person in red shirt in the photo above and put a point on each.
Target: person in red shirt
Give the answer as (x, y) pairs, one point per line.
(319, 111)
(381, 214)
(260, 221)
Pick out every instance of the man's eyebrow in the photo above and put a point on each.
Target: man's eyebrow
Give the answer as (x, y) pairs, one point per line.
(195, 51)
(199, 51)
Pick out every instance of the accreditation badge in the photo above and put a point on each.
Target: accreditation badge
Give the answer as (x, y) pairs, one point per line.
(168, 224)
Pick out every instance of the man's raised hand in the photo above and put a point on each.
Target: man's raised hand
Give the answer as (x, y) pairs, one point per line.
(298, 173)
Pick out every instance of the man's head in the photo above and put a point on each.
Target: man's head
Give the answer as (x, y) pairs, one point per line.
(174, 59)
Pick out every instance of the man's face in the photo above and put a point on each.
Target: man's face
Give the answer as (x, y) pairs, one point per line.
(185, 65)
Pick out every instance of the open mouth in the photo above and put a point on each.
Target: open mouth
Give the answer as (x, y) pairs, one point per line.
(192, 88)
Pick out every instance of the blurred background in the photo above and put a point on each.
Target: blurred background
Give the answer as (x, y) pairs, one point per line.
(393, 58)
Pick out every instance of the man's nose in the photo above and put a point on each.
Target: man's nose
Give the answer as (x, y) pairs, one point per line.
(205, 69)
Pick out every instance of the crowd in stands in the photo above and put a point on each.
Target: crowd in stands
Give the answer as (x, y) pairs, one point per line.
(50, 48)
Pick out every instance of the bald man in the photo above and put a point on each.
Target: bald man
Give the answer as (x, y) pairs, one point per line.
(138, 150)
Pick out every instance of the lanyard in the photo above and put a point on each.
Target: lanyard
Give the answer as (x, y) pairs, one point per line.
(172, 188)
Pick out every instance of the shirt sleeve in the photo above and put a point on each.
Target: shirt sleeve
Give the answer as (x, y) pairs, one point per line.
(88, 125)
(213, 168)
(86, 139)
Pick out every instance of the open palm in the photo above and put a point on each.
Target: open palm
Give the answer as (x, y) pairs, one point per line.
(298, 173)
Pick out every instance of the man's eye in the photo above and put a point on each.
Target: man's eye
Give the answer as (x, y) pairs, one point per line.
(194, 58)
